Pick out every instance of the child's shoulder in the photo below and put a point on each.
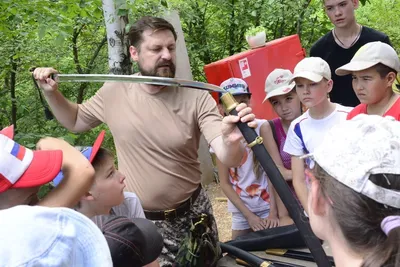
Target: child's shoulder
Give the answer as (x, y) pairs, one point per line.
(341, 108)
(131, 196)
(301, 118)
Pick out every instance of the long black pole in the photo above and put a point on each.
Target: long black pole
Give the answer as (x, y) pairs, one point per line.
(281, 187)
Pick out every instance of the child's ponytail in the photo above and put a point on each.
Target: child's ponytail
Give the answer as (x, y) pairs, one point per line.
(387, 253)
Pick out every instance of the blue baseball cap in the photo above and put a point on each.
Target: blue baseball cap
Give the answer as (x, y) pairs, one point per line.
(89, 152)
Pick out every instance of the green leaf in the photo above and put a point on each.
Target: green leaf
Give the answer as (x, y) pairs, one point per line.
(122, 12)
(42, 32)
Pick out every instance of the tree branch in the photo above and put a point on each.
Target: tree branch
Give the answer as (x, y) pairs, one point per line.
(75, 48)
(95, 54)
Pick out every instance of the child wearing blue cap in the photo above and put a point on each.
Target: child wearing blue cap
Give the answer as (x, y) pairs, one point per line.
(249, 198)
(106, 195)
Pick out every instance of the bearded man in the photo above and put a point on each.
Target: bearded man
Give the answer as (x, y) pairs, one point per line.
(156, 131)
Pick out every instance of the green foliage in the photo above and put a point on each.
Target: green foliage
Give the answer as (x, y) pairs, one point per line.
(254, 30)
(41, 33)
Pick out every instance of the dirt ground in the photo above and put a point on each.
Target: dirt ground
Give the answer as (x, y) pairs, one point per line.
(220, 208)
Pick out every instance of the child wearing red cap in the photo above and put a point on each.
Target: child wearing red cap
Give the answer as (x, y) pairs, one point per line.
(23, 171)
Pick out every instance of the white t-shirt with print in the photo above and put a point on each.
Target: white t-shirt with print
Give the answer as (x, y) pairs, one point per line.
(253, 192)
(306, 133)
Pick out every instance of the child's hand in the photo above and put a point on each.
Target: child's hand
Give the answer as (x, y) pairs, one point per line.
(271, 221)
(256, 223)
(71, 156)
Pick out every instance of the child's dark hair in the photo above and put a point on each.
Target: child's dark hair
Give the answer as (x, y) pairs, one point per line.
(98, 161)
(384, 70)
(360, 217)
(100, 158)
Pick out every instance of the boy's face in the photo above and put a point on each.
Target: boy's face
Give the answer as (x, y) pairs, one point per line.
(243, 99)
(107, 190)
(341, 12)
(369, 87)
(311, 93)
(288, 106)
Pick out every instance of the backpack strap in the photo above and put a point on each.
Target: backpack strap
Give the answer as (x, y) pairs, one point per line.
(273, 129)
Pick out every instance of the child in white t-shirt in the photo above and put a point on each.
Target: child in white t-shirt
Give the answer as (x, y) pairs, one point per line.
(249, 198)
(313, 83)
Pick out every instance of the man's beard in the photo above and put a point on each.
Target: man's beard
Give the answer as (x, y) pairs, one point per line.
(162, 69)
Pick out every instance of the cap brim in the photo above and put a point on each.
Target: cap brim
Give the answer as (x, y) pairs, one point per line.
(280, 91)
(354, 66)
(8, 131)
(307, 75)
(45, 165)
(154, 241)
(96, 145)
(89, 154)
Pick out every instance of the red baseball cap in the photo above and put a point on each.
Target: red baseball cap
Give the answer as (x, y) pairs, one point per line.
(89, 152)
(21, 167)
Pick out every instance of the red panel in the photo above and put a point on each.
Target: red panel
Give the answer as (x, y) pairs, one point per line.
(254, 66)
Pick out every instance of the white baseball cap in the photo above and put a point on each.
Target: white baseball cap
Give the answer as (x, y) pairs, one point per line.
(313, 69)
(368, 56)
(357, 148)
(42, 236)
(277, 83)
(235, 86)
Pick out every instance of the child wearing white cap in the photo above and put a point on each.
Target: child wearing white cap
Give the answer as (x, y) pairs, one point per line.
(249, 198)
(354, 201)
(313, 83)
(374, 69)
(286, 103)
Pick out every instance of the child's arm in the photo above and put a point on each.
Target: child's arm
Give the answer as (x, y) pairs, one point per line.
(273, 219)
(294, 146)
(283, 214)
(255, 222)
(299, 181)
(78, 175)
(272, 148)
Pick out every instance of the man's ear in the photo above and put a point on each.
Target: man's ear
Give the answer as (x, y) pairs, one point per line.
(134, 53)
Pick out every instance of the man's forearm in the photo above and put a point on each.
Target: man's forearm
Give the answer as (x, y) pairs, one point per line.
(229, 154)
(64, 110)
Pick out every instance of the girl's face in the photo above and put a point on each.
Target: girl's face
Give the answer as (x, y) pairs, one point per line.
(288, 106)
(319, 210)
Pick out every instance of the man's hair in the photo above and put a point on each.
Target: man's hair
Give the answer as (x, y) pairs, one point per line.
(146, 23)
(384, 70)
(360, 217)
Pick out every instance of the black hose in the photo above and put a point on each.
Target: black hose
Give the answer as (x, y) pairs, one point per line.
(251, 259)
(281, 187)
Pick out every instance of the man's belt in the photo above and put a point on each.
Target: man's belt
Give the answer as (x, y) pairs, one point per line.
(172, 214)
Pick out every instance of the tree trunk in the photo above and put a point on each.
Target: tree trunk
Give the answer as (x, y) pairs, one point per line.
(118, 56)
(13, 80)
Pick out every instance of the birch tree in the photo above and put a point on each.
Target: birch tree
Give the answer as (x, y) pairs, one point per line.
(116, 20)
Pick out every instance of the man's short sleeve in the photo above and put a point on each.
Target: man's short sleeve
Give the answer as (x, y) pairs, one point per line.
(92, 110)
(208, 116)
(293, 144)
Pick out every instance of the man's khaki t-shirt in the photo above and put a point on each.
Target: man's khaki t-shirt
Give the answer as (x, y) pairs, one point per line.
(156, 137)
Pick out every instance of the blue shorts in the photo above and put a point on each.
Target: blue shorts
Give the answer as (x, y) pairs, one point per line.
(239, 222)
